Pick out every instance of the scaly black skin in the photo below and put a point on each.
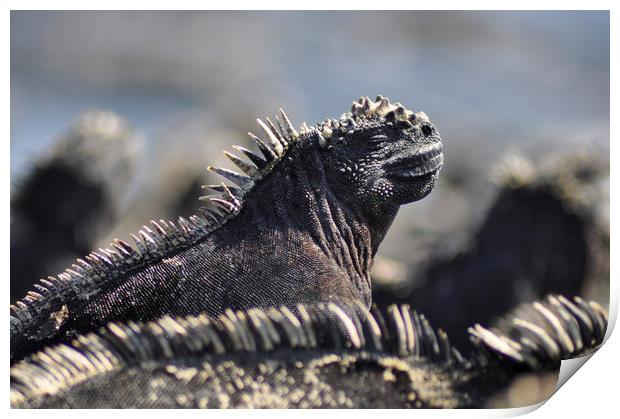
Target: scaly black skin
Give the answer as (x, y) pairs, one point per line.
(305, 232)
(312, 356)
(67, 198)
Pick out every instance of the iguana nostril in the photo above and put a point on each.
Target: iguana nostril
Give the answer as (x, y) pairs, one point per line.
(427, 130)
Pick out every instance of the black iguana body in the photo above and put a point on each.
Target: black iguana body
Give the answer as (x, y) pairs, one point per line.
(302, 227)
(316, 356)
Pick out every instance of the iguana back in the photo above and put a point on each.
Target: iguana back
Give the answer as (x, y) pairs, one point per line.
(312, 356)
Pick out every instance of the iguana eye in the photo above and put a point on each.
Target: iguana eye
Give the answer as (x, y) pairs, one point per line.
(427, 130)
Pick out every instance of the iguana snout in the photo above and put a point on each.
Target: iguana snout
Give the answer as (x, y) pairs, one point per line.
(420, 162)
(385, 153)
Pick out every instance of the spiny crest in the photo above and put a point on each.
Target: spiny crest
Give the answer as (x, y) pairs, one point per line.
(538, 335)
(399, 331)
(542, 334)
(88, 274)
(365, 108)
(273, 148)
(365, 113)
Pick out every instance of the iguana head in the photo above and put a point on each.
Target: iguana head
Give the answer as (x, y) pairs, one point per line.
(378, 156)
(382, 152)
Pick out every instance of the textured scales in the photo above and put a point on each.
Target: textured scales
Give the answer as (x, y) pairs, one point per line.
(302, 226)
(310, 356)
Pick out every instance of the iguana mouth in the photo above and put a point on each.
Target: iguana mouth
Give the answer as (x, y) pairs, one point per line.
(424, 161)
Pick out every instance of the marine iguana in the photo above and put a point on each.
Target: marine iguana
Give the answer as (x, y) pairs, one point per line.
(61, 205)
(320, 356)
(301, 227)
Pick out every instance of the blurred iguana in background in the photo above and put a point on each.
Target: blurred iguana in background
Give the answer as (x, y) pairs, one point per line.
(546, 230)
(70, 197)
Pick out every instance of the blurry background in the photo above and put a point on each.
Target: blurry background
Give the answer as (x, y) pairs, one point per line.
(498, 85)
